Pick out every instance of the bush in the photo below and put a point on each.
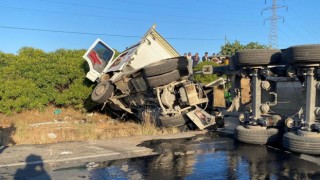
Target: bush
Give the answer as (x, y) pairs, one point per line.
(205, 78)
(34, 79)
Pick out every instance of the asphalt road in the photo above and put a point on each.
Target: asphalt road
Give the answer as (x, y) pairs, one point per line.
(190, 155)
(52, 157)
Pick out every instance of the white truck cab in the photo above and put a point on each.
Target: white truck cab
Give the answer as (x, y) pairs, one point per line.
(152, 47)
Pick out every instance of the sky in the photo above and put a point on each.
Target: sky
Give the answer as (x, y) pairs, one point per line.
(188, 25)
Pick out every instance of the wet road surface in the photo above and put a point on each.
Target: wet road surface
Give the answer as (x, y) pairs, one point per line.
(210, 156)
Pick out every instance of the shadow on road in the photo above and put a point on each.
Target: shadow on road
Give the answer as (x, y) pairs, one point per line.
(33, 169)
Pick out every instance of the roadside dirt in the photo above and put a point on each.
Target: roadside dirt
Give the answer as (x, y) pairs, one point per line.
(35, 127)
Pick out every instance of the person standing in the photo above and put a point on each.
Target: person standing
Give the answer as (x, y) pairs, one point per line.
(190, 63)
(205, 57)
(189, 56)
(214, 58)
(226, 61)
(195, 59)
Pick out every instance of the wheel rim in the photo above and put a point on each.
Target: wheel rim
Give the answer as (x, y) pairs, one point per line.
(100, 89)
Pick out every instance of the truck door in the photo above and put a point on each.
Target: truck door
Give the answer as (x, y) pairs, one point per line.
(98, 56)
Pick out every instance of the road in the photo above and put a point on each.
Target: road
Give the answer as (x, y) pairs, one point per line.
(193, 155)
(51, 157)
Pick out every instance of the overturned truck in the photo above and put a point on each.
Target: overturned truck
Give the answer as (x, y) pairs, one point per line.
(150, 81)
(284, 103)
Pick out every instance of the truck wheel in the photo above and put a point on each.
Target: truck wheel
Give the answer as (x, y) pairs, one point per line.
(163, 79)
(256, 135)
(165, 66)
(102, 92)
(304, 54)
(253, 57)
(308, 144)
(173, 121)
(183, 66)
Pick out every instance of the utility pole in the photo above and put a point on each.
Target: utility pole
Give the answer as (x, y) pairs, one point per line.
(225, 39)
(273, 32)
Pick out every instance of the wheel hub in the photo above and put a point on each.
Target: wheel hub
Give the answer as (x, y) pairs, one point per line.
(100, 90)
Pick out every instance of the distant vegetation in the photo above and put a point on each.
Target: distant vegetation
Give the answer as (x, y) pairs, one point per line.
(33, 79)
(231, 48)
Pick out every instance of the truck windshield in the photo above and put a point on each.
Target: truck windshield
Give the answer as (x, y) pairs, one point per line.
(100, 55)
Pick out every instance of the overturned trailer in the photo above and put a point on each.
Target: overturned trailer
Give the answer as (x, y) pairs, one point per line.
(284, 103)
(149, 80)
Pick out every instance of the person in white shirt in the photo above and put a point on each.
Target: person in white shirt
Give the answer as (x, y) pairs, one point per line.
(190, 63)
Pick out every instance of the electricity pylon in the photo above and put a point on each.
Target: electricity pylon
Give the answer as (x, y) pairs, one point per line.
(273, 32)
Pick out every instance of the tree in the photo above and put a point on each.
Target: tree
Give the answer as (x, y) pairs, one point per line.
(255, 45)
(231, 48)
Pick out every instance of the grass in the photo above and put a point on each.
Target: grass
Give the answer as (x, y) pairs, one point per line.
(35, 127)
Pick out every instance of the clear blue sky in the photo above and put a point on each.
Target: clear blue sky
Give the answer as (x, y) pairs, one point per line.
(189, 25)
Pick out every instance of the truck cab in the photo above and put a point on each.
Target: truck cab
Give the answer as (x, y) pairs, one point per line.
(151, 48)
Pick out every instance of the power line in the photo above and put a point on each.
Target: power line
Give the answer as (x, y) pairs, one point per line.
(148, 4)
(129, 10)
(89, 15)
(115, 9)
(113, 35)
(203, 2)
(303, 25)
(67, 32)
(285, 36)
(103, 34)
(102, 16)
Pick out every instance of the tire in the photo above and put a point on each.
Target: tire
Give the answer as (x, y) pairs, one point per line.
(304, 54)
(183, 66)
(173, 121)
(257, 136)
(163, 79)
(301, 144)
(253, 57)
(184, 72)
(182, 63)
(102, 92)
(165, 66)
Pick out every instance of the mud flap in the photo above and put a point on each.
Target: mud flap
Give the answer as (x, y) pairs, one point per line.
(201, 118)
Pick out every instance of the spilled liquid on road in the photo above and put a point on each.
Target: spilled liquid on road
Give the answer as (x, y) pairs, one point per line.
(213, 156)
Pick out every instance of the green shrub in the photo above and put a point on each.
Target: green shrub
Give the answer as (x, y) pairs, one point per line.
(34, 79)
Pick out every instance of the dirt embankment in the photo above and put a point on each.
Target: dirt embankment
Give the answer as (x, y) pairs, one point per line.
(63, 125)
